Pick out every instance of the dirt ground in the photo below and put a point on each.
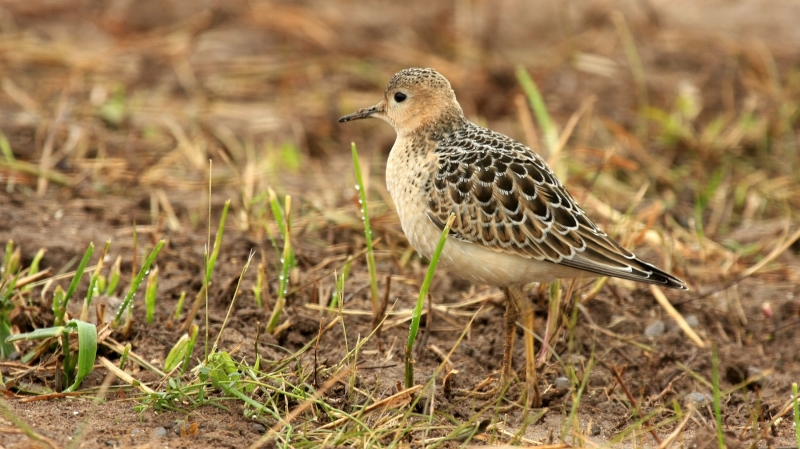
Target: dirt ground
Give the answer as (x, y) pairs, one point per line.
(112, 110)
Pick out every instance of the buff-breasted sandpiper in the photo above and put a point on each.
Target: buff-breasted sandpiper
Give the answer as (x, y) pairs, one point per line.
(515, 223)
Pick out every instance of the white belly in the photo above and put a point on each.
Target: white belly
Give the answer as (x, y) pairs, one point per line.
(470, 261)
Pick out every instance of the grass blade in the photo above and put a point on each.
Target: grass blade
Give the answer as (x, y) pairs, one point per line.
(716, 395)
(150, 295)
(539, 109)
(79, 273)
(796, 410)
(423, 292)
(285, 267)
(87, 350)
(136, 282)
(362, 200)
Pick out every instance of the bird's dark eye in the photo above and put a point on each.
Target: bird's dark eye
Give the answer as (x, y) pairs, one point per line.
(399, 97)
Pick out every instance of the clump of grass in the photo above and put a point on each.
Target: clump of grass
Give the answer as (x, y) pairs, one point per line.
(423, 293)
(75, 366)
(362, 200)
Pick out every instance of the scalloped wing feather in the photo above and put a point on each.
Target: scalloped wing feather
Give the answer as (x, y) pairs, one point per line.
(506, 198)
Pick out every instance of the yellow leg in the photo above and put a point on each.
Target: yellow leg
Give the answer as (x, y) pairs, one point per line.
(532, 395)
(510, 323)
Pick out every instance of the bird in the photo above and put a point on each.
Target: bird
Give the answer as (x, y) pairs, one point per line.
(514, 221)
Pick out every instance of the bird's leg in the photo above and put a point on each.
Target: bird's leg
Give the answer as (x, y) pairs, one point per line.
(512, 313)
(533, 396)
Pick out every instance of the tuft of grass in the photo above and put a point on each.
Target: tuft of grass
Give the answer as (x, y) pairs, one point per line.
(362, 200)
(423, 293)
(76, 366)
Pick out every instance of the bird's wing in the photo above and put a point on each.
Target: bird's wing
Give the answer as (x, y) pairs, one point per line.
(505, 197)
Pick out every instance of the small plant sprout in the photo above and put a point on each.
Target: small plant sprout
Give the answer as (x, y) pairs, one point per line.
(124, 357)
(362, 200)
(338, 294)
(113, 277)
(78, 275)
(423, 292)
(135, 282)
(179, 306)
(150, 295)
(76, 366)
(94, 284)
(283, 278)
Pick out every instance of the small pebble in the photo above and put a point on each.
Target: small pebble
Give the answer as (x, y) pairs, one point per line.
(561, 383)
(655, 330)
(135, 432)
(697, 399)
(161, 432)
(596, 430)
(258, 428)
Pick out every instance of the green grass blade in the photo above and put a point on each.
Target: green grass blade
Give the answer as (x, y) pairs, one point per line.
(7, 260)
(179, 306)
(338, 294)
(6, 348)
(79, 273)
(59, 306)
(283, 278)
(87, 350)
(5, 148)
(193, 331)
(362, 199)
(136, 282)
(113, 277)
(93, 283)
(150, 295)
(539, 108)
(177, 353)
(212, 260)
(796, 410)
(716, 395)
(417, 313)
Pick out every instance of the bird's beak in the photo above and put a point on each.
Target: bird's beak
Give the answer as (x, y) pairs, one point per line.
(362, 113)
